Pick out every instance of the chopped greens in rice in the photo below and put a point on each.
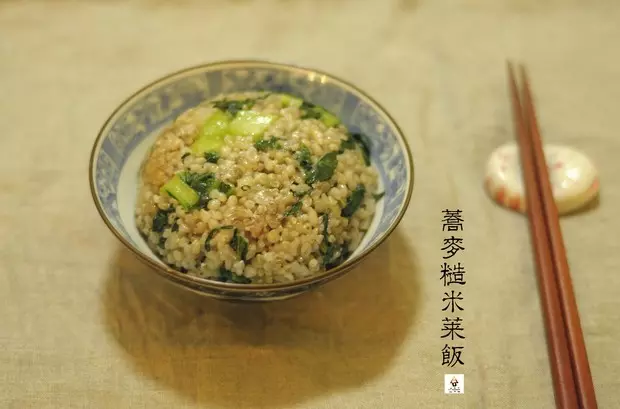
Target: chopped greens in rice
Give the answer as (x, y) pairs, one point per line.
(256, 188)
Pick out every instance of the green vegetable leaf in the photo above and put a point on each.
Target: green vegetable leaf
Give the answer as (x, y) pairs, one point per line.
(228, 276)
(299, 195)
(305, 105)
(378, 196)
(181, 191)
(333, 254)
(202, 183)
(325, 225)
(160, 220)
(225, 274)
(348, 143)
(357, 139)
(328, 118)
(266, 144)
(203, 202)
(251, 123)
(354, 201)
(294, 209)
(212, 234)
(363, 142)
(311, 114)
(237, 279)
(329, 254)
(324, 168)
(304, 157)
(226, 188)
(234, 106)
(325, 243)
(309, 111)
(240, 245)
(212, 134)
(336, 255)
(312, 111)
(290, 100)
(212, 157)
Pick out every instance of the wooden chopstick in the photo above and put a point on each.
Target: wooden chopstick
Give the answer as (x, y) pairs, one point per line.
(559, 356)
(576, 344)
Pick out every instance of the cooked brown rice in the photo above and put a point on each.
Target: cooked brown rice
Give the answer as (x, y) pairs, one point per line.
(261, 228)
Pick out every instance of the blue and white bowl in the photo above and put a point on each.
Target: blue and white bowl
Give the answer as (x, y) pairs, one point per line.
(132, 128)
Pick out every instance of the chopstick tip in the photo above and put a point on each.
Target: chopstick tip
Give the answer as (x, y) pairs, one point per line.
(523, 72)
(511, 73)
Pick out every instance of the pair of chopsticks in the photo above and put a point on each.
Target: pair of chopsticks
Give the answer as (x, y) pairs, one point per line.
(570, 370)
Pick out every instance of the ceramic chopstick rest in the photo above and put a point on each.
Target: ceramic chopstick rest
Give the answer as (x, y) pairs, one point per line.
(574, 179)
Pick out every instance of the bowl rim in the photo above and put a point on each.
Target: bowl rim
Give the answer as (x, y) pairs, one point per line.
(176, 275)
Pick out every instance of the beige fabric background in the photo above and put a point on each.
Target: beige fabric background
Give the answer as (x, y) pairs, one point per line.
(83, 325)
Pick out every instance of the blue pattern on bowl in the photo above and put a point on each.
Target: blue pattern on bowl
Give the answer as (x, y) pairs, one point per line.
(161, 102)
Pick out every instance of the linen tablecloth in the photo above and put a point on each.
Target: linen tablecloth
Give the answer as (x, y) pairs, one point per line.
(84, 325)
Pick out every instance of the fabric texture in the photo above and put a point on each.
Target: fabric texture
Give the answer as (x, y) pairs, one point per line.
(83, 324)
